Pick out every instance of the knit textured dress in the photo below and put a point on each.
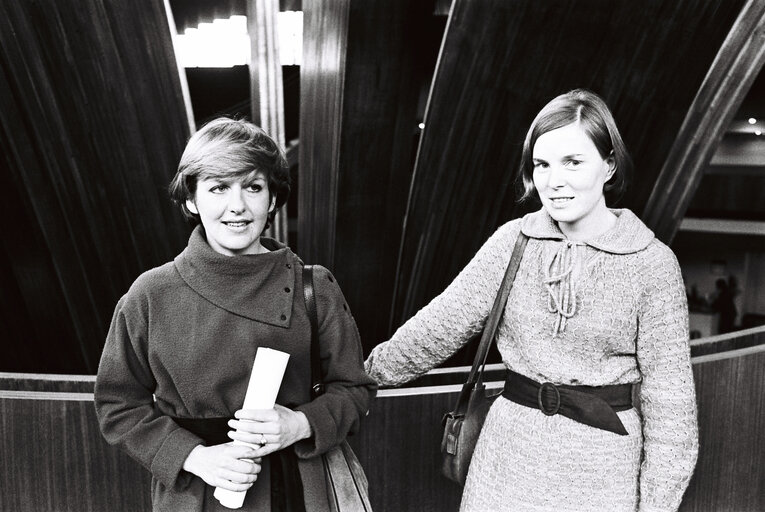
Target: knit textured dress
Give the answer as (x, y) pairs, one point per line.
(181, 344)
(609, 311)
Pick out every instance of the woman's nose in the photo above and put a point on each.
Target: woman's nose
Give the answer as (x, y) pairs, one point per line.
(556, 178)
(235, 200)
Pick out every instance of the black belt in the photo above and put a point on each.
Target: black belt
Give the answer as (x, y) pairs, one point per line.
(212, 430)
(286, 484)
(593, 406)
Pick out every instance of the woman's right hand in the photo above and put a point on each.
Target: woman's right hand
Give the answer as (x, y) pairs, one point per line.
(228, 466)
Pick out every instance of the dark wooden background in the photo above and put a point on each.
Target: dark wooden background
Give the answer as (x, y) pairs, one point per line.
(500, 63)
(93, 121)
(53, 458)
(92, 124)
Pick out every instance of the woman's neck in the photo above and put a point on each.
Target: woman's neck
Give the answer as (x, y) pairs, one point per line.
(589, 227)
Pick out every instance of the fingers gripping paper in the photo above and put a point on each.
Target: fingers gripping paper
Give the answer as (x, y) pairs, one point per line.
(265, 381)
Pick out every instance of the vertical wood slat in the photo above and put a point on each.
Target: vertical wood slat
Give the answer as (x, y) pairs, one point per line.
(52, 457)
(266, 88)
(322, 74)
(391, 48)
(729, 472)
(92, 122)
(185, 93)
(732, 73)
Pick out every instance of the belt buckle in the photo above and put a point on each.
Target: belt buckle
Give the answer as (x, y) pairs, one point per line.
(554, 411)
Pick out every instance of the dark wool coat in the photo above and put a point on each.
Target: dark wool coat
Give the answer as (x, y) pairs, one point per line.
(182, 342)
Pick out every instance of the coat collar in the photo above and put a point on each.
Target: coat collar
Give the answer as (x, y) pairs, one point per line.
(255, 286)
(629, 235)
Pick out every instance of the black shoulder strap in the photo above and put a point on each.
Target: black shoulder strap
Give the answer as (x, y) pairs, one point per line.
(490, 329)
(317, 386)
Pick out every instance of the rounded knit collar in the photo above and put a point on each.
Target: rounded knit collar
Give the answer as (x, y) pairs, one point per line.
(254, 286)
(627, 236)
(565, 266)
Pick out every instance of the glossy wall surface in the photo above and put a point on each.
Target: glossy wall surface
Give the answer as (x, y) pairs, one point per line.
(53, 458)
(92, 124)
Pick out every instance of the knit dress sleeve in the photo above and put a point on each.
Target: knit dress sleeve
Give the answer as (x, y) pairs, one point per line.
(450, 320)
(124, 400)
(348, 390)
(667, 392)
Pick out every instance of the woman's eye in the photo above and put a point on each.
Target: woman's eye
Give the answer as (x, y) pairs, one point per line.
(541, 165)
(574, 163)
(217, 188)
(255, 187)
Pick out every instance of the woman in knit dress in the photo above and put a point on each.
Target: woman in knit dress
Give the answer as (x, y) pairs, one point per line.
(177, 359)
(598, 304)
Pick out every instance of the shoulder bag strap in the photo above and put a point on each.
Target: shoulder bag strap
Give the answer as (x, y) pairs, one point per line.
(317, 385)
(492, 322)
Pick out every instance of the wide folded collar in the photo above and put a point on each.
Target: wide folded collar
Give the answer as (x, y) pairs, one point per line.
(628, 235)
(254, 286)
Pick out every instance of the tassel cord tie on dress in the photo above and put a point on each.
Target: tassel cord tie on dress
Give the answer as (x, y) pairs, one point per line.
(561, 287)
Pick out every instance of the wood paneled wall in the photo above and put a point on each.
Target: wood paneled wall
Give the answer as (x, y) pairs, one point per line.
(51, 442)
(728, 80)
(54, 459)
(730, 472)
(325, 34)
(92, 123)
(266, 87)
(500, 63)
(366, 65)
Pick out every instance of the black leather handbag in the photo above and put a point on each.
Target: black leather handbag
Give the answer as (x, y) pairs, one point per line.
(463, 424)
(347, 485)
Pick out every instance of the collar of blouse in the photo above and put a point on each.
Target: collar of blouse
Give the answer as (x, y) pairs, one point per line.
(565, 265)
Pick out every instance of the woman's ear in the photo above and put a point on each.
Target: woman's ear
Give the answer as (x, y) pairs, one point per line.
(192, 207)
(273, 204)
(611, 161)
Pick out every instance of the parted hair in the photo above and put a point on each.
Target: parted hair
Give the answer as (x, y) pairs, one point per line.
(591, 112)
(230, 148)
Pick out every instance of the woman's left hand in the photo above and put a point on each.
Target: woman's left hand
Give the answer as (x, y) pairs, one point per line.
(269, 430)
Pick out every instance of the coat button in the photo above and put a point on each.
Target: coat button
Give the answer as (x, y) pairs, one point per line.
(287, 289)
(283, 317)
(289, 265)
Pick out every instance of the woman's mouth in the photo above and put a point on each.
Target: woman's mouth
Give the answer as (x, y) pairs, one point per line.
(237, 224)
(560, 201)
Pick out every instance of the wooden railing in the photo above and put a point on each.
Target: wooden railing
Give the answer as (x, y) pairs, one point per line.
(52, 455)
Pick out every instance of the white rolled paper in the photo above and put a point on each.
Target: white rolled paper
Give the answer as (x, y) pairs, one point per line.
(265, 381)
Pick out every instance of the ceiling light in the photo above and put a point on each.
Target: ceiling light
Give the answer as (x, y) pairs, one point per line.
(757, 132)
(225, 42)
(752, 120)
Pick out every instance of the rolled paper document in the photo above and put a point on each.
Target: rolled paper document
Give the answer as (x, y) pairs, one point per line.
(265, 381)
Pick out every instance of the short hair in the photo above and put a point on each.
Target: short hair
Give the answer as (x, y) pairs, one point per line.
(230, 148)
(591, 112)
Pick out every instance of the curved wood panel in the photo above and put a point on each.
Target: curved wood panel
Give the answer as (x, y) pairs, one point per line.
(51, 441)
(500, 63)
(727, 342)
(92, 123)
(325, 33)
(37, 382)
(733, 72)
(368, 64)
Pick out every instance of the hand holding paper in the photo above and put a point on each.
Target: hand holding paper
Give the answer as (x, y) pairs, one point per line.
(279, 427)
(265, 381)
